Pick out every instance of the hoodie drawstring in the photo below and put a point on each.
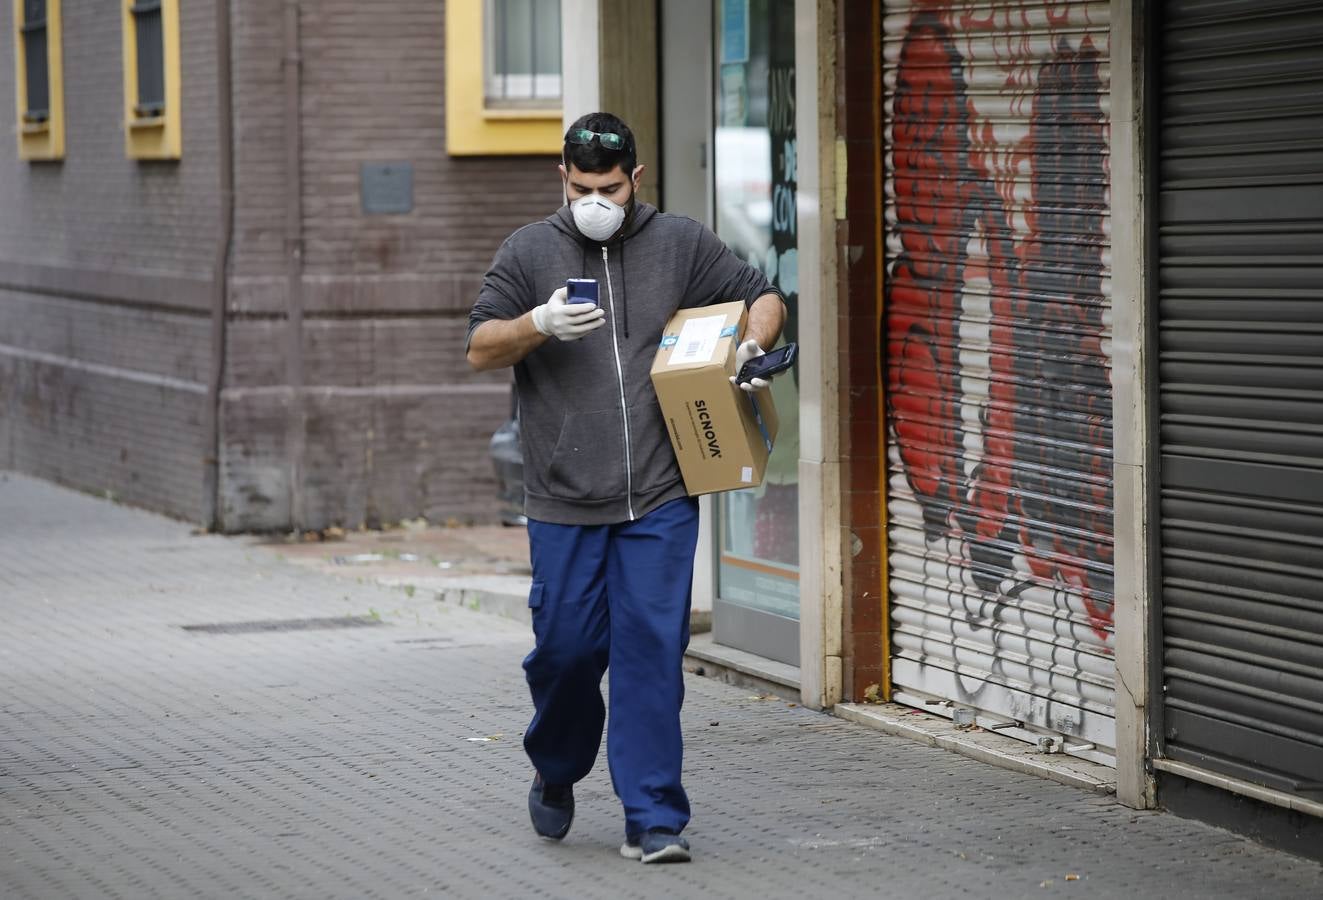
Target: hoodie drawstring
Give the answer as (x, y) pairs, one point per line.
(624, 289)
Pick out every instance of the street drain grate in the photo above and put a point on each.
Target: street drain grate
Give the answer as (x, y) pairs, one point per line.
(270, 625)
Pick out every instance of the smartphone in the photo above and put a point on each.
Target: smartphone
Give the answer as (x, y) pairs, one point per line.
(769, 363)
(581, 290)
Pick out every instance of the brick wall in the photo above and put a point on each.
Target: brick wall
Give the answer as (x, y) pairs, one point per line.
(396, 425)
(862, 445)
(105, 271)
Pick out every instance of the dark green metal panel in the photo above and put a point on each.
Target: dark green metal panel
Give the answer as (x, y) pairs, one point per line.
(1240, 324)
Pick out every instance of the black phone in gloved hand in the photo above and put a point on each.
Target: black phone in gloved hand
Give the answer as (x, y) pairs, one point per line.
(769, 363)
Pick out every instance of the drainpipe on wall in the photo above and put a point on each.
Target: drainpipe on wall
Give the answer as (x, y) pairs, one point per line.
(220, 273)
(296, 423)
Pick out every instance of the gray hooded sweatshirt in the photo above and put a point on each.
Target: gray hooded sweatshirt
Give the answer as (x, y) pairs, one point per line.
(594, 443)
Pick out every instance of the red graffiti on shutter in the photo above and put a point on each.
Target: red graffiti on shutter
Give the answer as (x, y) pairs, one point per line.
(997, 378)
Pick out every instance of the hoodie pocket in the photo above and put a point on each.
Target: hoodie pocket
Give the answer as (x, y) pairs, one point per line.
(654, 460)
(589, 460)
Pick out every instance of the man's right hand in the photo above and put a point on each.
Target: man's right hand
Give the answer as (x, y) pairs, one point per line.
(567, 321)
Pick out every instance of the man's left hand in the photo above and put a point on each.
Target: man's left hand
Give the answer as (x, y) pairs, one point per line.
(743, 353)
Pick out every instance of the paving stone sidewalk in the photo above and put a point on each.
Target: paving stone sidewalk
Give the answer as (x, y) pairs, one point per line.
(265, 758)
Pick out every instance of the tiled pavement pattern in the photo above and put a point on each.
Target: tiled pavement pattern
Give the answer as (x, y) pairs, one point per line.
(140, 760)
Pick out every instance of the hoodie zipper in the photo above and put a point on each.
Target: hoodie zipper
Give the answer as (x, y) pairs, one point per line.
(620, 378)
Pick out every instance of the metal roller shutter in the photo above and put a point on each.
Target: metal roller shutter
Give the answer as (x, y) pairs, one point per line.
(1240, 293)
(997, 338)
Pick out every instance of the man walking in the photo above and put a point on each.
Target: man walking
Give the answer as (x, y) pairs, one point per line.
(611, 530)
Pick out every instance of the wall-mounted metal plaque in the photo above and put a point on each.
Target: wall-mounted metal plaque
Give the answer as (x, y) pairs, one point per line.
(386, 188)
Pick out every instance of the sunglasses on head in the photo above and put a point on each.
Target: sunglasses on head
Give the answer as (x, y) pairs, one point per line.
(608, 140)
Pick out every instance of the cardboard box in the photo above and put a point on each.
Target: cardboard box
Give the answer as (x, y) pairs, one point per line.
(722, 435)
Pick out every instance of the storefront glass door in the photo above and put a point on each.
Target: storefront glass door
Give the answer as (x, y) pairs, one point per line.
(757, 604)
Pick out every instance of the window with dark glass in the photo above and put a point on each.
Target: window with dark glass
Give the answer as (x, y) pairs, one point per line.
(37, 103)
(523, 65)
(150, 41)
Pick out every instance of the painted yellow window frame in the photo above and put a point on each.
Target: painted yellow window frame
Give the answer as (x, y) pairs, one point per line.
(153, 136)
(40, 140)
(471, 128)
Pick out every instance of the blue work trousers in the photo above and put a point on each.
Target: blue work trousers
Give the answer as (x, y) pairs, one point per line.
(618, 595)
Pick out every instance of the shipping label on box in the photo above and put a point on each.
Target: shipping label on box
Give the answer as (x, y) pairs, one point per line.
(722, 435)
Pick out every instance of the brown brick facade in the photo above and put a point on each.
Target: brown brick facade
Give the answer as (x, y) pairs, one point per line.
(105, 273)
(106, 268)
(395, 423)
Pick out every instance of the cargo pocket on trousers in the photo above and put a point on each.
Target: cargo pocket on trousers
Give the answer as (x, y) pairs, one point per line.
(535, 595)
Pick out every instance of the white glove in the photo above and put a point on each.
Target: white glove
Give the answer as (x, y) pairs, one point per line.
(743, 353)
(567, 321)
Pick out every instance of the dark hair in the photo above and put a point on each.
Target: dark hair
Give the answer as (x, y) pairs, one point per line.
(596, 158)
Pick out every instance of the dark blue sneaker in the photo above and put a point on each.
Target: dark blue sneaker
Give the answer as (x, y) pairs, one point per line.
(551, 807)
(656, 846)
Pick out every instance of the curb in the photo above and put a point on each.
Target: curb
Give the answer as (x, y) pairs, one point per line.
(998, 750)
(708, 659)
(502, 595)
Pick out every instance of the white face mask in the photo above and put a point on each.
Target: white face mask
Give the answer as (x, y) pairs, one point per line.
(596, 217)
